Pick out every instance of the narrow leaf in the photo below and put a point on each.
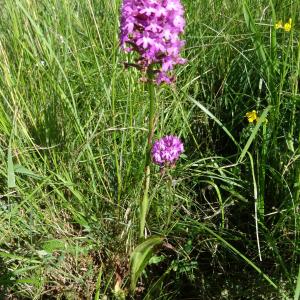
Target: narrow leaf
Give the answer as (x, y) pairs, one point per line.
(254, 132)
(206, 111)
(11, 179)
(22, 170)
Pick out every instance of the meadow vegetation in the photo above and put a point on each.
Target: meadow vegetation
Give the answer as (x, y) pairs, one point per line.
(73, 136)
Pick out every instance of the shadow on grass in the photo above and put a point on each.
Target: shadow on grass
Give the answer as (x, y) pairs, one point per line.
(6, 280)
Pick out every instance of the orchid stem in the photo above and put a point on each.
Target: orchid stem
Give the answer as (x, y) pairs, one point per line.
(144, 205)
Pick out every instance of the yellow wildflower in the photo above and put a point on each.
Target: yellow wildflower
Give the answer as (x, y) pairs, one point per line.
(288, 26)
(279, 24)
(252, 116)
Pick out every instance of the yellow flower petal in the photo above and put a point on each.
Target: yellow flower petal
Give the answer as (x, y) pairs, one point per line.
(279, 24)
(252, 116)
(288, 26)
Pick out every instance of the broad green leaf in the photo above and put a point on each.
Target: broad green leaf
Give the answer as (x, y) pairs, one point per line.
(154, 260)
(32, 281)
(53, 245)
(140, 258)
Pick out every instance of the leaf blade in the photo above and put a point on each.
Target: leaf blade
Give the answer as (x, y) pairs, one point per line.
(140, 258)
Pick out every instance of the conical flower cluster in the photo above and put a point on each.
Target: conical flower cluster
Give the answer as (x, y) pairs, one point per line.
(152, 29)
(166, 151)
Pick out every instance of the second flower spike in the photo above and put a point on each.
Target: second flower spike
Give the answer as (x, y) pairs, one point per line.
(166, 151)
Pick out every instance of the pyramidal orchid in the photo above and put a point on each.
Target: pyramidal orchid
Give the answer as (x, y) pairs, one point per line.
(166, 151)
(152, 29)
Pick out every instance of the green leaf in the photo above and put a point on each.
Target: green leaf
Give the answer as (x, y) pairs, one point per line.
(53, 245)
(262, 119)
(297, 289)
(261, 51)
(140, 258)
(22, 170)
(154, 260)
(32, 281)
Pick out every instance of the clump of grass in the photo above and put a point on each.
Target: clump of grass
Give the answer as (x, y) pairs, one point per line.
(72, 133)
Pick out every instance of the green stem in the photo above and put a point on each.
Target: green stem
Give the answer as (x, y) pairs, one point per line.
(115, 150)
(144, 205)
(297, 179)
(151, 120)
(262, 175)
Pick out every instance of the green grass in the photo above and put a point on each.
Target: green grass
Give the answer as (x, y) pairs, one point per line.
(73, 137)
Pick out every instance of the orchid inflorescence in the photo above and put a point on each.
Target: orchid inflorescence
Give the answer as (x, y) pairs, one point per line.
(151, 28)
(167, 150)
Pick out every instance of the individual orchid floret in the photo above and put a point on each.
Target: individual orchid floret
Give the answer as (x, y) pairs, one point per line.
(167, 150)
(152, 29)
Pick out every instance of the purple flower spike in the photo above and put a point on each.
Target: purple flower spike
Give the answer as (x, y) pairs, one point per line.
(152, 29)
(166, 151)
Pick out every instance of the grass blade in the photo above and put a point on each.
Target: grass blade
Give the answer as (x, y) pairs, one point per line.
(212, 116)
(236, 251)
(11, 178)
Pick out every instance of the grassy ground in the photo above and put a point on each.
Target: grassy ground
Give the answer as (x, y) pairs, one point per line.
(73, 127)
